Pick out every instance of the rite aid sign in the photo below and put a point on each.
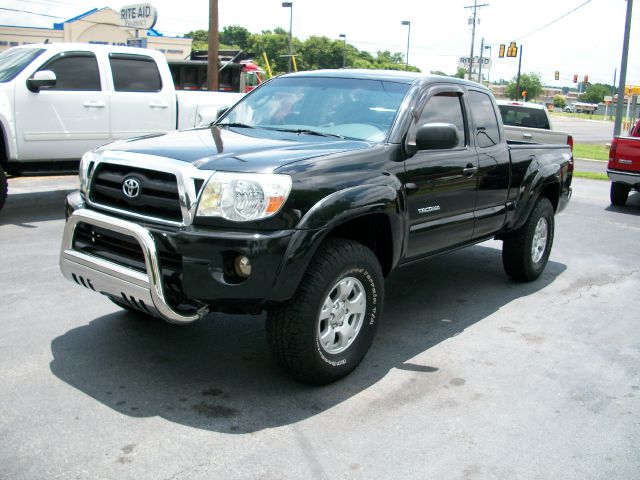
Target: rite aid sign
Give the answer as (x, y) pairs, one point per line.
(463, 62)
(140, 16)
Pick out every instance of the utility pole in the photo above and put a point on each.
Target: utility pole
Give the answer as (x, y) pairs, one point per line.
(475, 7)
(623, 71)
(480, 62)
(518, 80)
(212, 54)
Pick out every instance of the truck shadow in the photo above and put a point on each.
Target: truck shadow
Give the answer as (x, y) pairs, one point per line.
(25, 209)
(632, 207)
(218, 374)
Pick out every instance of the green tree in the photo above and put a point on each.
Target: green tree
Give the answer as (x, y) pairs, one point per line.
(595, 93)
(460, 73)
(235, 35)
(320, 52)
(529, 82)
(200, 39)
(438, 72)
(559, 101)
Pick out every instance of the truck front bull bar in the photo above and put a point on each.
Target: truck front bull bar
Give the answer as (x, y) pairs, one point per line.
(143, 291)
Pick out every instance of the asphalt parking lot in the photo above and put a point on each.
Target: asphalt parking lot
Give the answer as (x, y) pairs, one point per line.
(471, 375)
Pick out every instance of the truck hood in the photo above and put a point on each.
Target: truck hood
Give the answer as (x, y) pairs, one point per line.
(235, 149)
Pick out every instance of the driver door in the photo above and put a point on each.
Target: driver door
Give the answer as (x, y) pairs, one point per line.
(441, 185)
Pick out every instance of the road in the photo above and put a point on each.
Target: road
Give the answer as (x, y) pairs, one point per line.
(471, 376)
(584, 131)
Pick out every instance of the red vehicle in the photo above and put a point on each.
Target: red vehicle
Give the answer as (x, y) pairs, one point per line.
(624, 166)
(235, 75)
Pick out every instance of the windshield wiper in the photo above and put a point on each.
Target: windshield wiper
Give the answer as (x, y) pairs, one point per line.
(305, 131)
(232, 124)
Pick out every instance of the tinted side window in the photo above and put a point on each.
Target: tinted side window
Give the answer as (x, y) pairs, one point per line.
(484, 117)
(135, 73)
(523, 117)
(444, 108)
(75, 72)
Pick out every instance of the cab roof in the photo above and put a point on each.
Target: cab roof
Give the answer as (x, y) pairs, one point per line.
(398, 76)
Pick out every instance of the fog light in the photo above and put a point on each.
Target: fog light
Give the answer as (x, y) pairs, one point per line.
(242, 266)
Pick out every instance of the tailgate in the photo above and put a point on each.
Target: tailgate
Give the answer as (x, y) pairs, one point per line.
(627, 155)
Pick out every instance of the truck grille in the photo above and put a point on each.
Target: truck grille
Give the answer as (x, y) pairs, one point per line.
(152, 193)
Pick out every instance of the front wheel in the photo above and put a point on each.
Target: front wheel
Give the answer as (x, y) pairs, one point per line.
(326, 329)
(525, 252)
(619, 194)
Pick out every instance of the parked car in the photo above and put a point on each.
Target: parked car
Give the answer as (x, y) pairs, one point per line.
(530, 123)
(624, 166)
(59, 100)
(581, 107)
(301, 198)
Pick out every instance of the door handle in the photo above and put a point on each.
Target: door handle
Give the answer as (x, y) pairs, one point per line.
(96, 104)
(159, 105)
(528, 136)
(470, 170)
(411, 187)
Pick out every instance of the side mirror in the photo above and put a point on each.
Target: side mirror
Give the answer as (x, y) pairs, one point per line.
(437, 136)
(40, 80)
(221, 111)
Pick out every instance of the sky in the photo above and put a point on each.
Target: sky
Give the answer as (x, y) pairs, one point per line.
(587, 41)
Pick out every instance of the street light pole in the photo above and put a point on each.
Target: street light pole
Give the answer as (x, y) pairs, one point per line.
(480, 62)
(407, 23)
(344, 50)
(488, 47)
(623, 71)
(289, 5)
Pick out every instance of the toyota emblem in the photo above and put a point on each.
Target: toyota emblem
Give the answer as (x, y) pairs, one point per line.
(131, 188)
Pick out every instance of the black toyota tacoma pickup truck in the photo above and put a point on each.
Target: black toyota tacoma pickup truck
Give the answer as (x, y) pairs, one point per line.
(301, 198)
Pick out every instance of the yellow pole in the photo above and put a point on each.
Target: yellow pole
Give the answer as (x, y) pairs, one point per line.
(295, 65)
(266, 61)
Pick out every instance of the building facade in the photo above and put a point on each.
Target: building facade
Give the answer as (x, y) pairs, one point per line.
(95, 26)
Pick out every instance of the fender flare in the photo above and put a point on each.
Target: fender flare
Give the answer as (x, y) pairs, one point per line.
(533, 187)
(330, 212)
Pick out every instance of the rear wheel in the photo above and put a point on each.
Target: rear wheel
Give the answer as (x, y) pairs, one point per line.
(619, 194)
(525, 252)
(4, 187)
(326, 329)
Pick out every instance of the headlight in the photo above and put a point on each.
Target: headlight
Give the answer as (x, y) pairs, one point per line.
(86, 165)
(243, 197)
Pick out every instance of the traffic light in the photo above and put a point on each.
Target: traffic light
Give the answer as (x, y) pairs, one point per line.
(557, 75)
(575, 78)
(586, 79)
(502, 49)
(512, 51)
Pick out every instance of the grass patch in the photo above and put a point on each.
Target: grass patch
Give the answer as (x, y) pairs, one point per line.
(594, 152)
(591, 175)
(585, 116)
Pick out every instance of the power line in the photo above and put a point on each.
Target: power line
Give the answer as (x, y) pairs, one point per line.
(551, 23)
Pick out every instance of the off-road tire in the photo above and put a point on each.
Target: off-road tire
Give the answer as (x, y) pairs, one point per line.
(518, 257)
(4, 187)
(293, 329)
(619, 194)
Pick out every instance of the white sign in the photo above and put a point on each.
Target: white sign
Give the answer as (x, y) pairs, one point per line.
(139, 16)
(463, 62)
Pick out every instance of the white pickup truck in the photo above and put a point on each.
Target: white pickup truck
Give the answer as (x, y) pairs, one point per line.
(58, 101)
(530, 123)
